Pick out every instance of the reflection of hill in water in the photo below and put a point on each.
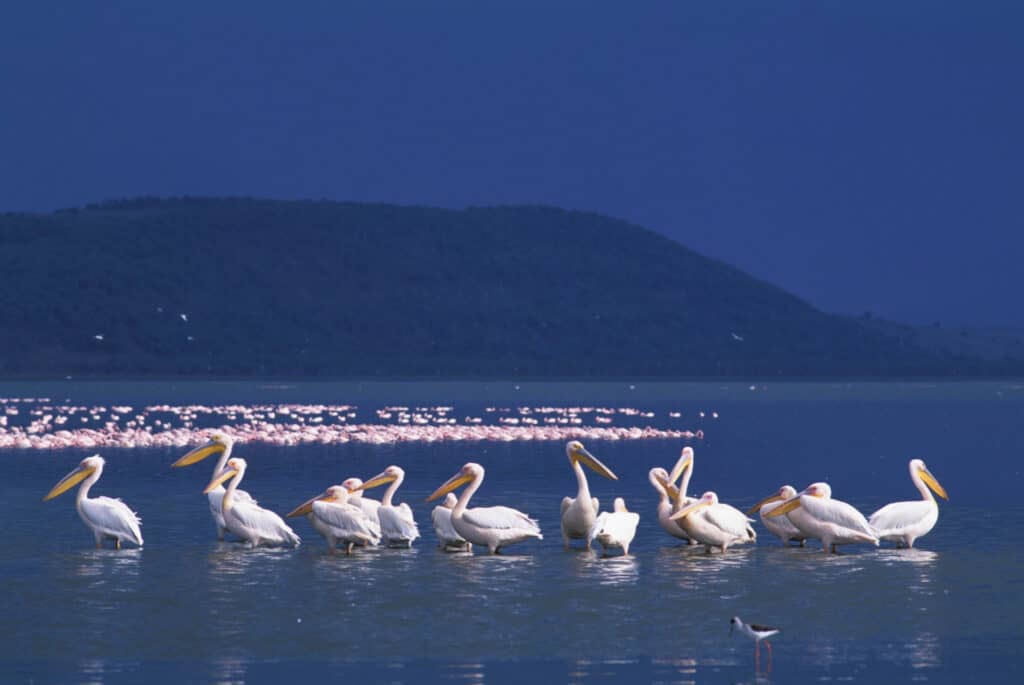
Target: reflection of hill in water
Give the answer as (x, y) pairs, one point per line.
(241, 287)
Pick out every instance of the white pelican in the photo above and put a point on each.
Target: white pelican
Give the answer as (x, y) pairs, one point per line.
(222, 443)
(714, 524)
(684, 468)
(904, 522)
(659, 480)
(106, 517)
(819, 516)
(578, 513)
(495, 527)
(447, 537)
(249, 521)
(357, 498)
(780, 525)
(615, 529)
(333, 515)
(397, 526)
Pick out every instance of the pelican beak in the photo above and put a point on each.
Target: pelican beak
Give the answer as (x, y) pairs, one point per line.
(689, 509)
(789, 506)
(677, 470)
(929, 480)
(455, 481)
(673, 492)
(379, 479)
(198, 454)
(220, 478)
(593, 463)
(305, 507)
(69, 481)
(767, 500)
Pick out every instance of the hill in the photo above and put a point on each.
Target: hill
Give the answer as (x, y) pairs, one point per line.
(243, 287)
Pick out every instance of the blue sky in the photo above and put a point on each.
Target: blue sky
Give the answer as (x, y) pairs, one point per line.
(865, 156)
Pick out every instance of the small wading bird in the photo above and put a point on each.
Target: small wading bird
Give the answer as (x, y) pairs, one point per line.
(333, 515)
(447, 538)
(223, 444)
(714, 524)
(904, 522)
(249, 521)
(106, 517)
(579, 513)
(780, 525)
(819, 516)
(493, 527)
(397, 526)
(615, 528)
(756, 633)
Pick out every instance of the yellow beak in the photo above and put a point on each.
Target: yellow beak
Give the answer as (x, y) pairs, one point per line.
(198, 454)
(689, 509)
(680, 466)
(220, 478)
(458, 480)
(379, 479)
(69, 481)
(767, 500)
(307, 506)
(785, 508)
(593, 463)
(930, 481)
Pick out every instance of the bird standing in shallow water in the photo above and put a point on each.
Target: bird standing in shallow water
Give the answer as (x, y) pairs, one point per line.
(757, 633)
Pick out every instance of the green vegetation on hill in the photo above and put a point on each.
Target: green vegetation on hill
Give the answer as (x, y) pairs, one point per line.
(335, 289)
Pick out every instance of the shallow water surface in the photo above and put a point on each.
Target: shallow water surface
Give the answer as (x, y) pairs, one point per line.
(187, 608)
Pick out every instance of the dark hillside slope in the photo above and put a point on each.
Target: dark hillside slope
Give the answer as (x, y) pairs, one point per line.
(322, 288)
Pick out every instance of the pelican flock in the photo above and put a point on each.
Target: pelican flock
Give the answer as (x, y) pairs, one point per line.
(345, 516)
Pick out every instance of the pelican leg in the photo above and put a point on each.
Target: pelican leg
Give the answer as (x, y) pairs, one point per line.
(220, 533)
(803, 542)
(349, 547)
(117, 543)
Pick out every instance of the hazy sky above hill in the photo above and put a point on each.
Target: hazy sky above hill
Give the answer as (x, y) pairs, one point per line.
(866, 156)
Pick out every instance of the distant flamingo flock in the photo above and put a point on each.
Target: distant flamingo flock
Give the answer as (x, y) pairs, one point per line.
(39, 423)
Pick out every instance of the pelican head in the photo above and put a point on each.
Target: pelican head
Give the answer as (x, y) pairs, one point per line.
(684, 462)
(335, 493)
(469, 472)
(218, 442)
(353, 485)
(784, 493)
(388, 475)
(706, 500)
(578, 453)
(450, 501)
(659, 478)
(620, 505)
(235, 467)
(822, 490)
(917, 467)
(85, 468)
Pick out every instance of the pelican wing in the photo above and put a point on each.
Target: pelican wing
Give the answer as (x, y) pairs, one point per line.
(243, 496)
(838, 513)
(500, 517)
(397, 522)
(894, 518)
(113, 517)
(618, 526)
(262, 523)
(347, 521)
(566, 503)
(729, 519)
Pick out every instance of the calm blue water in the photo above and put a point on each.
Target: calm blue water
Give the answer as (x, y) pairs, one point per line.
(190, 609)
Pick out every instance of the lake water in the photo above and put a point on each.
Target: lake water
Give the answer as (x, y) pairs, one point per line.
(187, 608)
